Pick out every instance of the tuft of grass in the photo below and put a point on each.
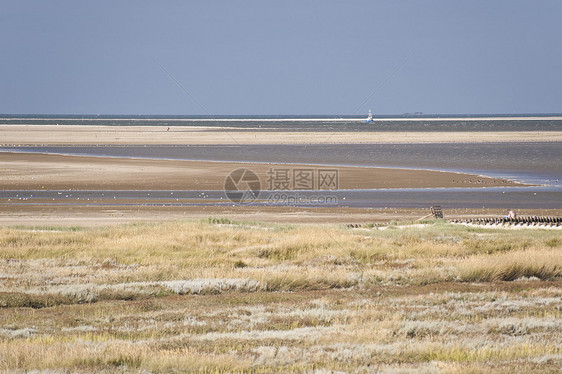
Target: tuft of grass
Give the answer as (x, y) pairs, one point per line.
(48, 228)
(240, 264)
(219, 221)
(545, 265)
(553, 243)
(23, 300)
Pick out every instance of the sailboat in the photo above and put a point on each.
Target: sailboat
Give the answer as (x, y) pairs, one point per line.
(369, 118)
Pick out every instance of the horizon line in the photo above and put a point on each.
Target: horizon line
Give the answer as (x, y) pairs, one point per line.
(289, 116)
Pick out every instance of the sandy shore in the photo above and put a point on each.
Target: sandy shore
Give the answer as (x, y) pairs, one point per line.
(26, 171)
(85, 134)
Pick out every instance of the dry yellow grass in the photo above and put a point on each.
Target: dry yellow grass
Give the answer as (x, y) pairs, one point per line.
(221, 296)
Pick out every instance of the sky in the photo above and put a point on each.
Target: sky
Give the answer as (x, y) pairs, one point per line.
(280, 57)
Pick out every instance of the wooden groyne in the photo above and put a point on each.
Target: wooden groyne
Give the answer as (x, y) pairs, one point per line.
(530, 221)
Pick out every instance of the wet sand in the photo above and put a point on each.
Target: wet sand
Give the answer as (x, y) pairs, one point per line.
(25, 171)
(197, 135)
(21, 171)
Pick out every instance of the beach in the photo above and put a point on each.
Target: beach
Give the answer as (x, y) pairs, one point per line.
(26, 171)
(67, 176)
(61, 171)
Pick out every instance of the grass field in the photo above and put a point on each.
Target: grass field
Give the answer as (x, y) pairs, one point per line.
(221, 296)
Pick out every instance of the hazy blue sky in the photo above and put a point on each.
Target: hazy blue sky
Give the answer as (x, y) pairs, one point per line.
(280, 57)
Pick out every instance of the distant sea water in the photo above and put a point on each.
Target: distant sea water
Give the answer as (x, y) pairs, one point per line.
(320, 123)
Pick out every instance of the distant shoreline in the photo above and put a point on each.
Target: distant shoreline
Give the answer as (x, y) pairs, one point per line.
(222, 118)
(44, 135)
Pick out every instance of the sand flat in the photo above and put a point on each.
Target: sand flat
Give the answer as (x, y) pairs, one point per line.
(187, 135)
(28, 171)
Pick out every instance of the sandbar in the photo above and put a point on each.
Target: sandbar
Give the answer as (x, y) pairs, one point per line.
(30, 135)
(31, 171)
